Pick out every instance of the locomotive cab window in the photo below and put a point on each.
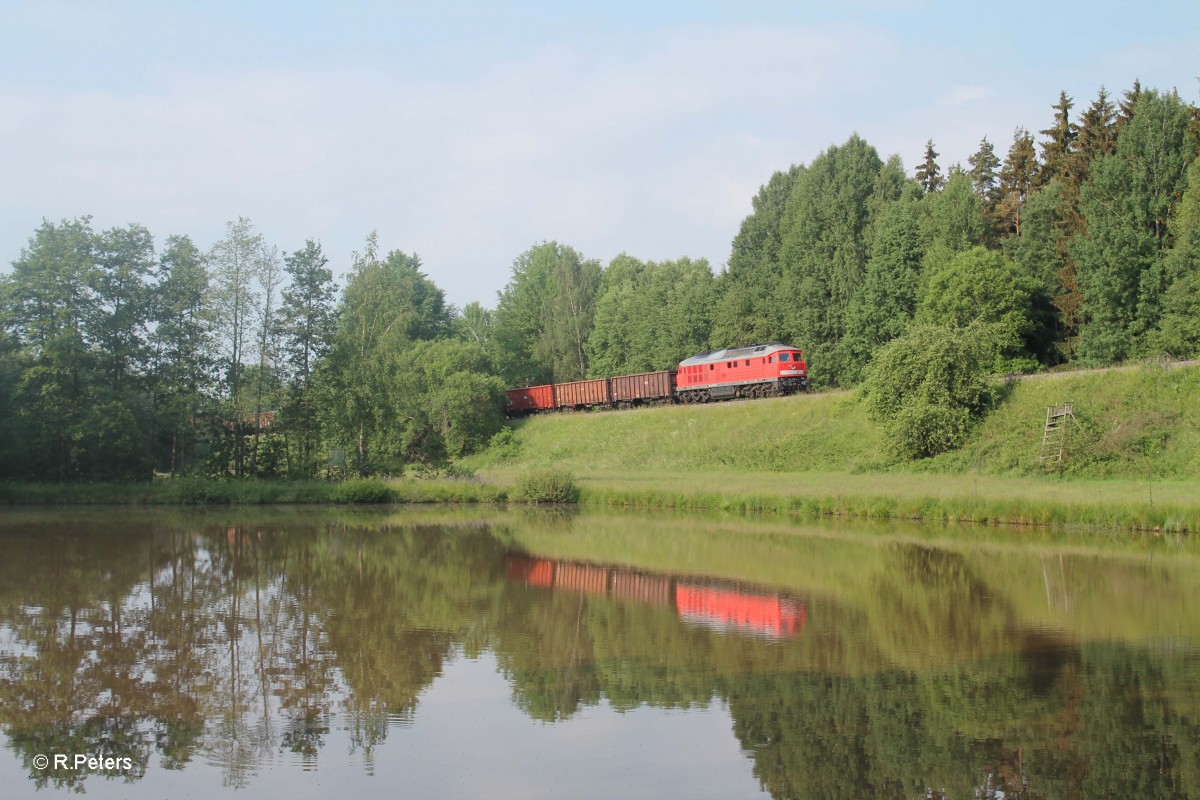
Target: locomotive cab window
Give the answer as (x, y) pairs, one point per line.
(747, 362)
(783, 356)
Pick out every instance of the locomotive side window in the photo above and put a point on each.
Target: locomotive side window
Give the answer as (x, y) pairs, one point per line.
(783, 356)
(747, 362)
(771, 360)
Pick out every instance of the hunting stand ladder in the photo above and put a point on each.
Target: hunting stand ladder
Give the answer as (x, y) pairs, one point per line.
(1054, 435)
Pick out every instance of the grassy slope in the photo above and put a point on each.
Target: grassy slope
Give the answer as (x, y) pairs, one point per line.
(1134, 459)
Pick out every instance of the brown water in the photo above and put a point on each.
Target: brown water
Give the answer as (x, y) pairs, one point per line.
(457, 654)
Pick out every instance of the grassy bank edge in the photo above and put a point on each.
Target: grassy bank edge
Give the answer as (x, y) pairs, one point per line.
(954, 508)
(965, 509)
(200, 491)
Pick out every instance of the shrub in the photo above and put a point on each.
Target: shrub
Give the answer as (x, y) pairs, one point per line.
(504, 445)
(921, 429)
(363, 490)
(196, 490)
(926, 386)
(547, 486)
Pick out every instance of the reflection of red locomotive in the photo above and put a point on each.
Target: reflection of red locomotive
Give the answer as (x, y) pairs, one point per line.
(762, 370)
(711, 605)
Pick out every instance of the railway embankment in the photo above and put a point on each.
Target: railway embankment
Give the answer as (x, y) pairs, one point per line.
(1130, 456)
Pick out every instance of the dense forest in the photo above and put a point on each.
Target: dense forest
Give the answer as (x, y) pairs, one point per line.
(119, 358)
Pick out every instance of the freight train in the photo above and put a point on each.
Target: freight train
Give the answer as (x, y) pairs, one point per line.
(723, 607)
(761, 370)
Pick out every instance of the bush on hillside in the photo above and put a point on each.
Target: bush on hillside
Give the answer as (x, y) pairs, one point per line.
(547, 486)
(504, 445)
(927, 386)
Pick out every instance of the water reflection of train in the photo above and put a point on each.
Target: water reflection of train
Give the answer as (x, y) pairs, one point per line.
(725, 607)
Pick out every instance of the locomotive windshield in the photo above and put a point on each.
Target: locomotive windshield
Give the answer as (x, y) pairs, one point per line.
(784, 357)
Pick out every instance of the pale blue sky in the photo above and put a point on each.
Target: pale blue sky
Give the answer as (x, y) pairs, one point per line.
(469, 131)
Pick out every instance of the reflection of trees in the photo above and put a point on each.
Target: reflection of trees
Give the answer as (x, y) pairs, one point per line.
(236, 643)
(72, 685)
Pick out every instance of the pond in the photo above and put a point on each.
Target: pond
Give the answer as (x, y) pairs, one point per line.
(458, 653)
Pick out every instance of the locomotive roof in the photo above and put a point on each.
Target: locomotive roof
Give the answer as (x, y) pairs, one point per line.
(736, 352)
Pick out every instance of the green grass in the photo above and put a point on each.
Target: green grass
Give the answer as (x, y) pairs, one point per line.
(203, 491)
(1133, 459)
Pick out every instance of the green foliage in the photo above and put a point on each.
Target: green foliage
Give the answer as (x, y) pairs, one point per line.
(650, 316)
(1127, 206)
(951, 222)
(544, 316)
(984, 176)
(362, 490)
(547, 486)
(887, 301)
(372, 374)
(1097, 134)
(504, 446)
(982, 288)
(746, 311)
(928, 174)
(1179, 329)
(926, 387)
(823, 257)
(1018, 178)
(183, 343)
(1057, 152)
(1041, 253)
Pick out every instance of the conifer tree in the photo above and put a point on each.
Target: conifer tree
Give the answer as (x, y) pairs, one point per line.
(1128, 104)
(928, 174)
(983, 171)
(1017, 179)
(1057, 153)
(1097, 134)
(1128, 204)
(984, 178)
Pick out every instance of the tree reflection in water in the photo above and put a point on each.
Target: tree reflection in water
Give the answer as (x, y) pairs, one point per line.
(180, 638)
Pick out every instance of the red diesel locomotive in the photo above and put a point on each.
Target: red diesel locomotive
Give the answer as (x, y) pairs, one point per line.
(762, 370)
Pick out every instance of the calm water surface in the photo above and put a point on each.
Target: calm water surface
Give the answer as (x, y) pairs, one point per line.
(493, 654)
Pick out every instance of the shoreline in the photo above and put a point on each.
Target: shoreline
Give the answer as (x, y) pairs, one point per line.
(936, 499)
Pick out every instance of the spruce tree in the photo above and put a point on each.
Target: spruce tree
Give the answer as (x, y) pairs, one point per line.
(983, 172)
(1128, 203)
(985, 179)
(1097, 134)
(928, 173)
(1017, 179)
(1057, 153)
(1128, 104)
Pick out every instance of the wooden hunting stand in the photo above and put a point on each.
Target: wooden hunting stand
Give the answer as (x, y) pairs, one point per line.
(1054, 435)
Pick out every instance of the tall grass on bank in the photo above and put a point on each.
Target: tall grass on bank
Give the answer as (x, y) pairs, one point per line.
(954, 508)
(203, 491)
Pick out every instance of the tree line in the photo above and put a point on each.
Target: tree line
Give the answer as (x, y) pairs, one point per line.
(117, 359)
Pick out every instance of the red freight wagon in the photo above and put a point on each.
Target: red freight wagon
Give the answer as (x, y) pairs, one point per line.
(650, 589)
(581, 578)
(644, 387)
(529, 400)
(582, 394)
(535, 572)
